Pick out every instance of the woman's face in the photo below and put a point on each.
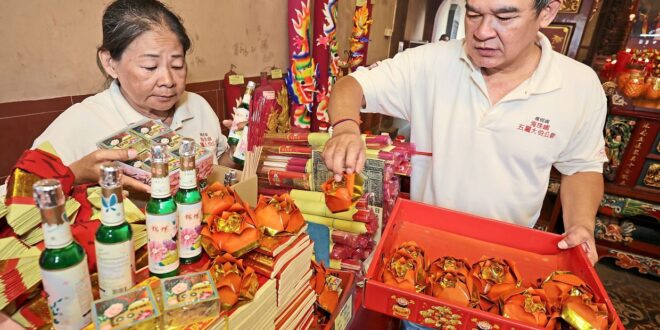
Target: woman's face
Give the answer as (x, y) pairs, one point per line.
(151, 71)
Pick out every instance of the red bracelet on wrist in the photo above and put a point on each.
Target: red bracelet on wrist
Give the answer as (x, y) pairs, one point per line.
(345, 120)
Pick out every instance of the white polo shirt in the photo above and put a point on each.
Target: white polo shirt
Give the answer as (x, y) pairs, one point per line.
(76, 131)
(490, 160)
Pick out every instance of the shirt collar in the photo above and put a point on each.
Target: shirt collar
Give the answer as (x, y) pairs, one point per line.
(544, 79)
(131, 116)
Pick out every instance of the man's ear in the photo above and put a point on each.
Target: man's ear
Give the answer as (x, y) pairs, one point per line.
(548, 14)
(108, 63)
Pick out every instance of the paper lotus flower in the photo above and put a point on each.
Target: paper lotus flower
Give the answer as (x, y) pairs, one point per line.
(339, 196)
(526, 305)
(405, 268)
(235, 282)
(581, 313)
(561, 285)
(217, 198)
(327, 287)
(449, 264)
(278, 214)
(492, 277)
(233, 231)
(453, 287)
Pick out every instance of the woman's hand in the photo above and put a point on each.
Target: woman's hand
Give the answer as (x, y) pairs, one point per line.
(87, 169)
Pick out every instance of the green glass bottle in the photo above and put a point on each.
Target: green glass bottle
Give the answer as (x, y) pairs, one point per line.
(115, 250)
(161, 218)
(63, 263)
(189, 204)
(241, 114)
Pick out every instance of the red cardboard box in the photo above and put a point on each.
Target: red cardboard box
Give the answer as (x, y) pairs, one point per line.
(441, 232)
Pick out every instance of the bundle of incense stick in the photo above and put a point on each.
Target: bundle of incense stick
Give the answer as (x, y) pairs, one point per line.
(255, 133)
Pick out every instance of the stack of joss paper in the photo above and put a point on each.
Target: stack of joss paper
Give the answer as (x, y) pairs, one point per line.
(496, 286)
(284, 254)
(19, 269)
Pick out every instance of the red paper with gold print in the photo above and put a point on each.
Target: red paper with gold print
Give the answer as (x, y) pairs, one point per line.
(278, 214)
(235, 282)
(581, 313)
(32, 166)
(561, 285)
(493, 277)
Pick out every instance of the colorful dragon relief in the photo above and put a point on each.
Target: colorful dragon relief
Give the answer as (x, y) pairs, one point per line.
(359, 37)
(300, 80)
(326, 77)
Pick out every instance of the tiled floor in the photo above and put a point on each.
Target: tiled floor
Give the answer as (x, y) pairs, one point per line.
(635, 297)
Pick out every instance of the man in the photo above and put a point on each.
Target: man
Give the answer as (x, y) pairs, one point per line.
(496, 111)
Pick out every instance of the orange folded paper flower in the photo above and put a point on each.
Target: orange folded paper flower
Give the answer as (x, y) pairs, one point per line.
(326, 286)
(216, 199)
(405, 268)
(492, 277)
(526, 305)
(278, 214)
(581, 313)
(233, 231)
(561, 285)
(448, 279)
(339, 196)
(449, 264)
(235, 283)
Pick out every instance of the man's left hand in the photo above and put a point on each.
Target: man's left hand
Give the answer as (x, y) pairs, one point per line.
(580, 235)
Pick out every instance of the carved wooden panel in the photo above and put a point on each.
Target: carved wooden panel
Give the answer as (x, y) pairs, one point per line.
(569, 25)
(560, 36)
(570, 6)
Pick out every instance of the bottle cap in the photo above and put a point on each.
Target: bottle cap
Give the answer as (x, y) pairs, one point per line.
(187, 147)
(111, 175)
(48, 193)
(159, 153)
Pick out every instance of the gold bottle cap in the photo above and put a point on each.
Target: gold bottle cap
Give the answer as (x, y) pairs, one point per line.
(48, 193)
(187, 147)
(111, 175)
(159, 153)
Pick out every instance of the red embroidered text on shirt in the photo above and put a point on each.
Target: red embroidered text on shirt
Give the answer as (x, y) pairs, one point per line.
(538, 126)
(205, 140)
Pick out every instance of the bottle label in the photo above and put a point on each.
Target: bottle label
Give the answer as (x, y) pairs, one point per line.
(190, 230)
(57, 236)
(112, 207)
(240, 115)
(241, 148)
(160, 187)
(163, 250)
(69, 296)
(116, 267)
(187, 179)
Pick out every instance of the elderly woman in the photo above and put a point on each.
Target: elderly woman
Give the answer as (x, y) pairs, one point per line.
(144, 55)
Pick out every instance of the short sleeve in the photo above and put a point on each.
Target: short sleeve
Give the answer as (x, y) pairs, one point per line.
(586, 150)
(386, 84)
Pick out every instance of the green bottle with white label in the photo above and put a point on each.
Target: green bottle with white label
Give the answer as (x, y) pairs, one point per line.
(63, 263)
(189, 205)
(115, 249)
(241, 114)
(162, 224)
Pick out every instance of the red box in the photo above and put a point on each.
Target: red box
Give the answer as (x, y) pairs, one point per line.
(441, 232)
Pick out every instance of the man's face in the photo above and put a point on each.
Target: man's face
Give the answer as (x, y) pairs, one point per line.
(500, 32)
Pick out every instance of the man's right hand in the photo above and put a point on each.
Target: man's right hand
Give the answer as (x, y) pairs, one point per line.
(345, 151)
(87, 169)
